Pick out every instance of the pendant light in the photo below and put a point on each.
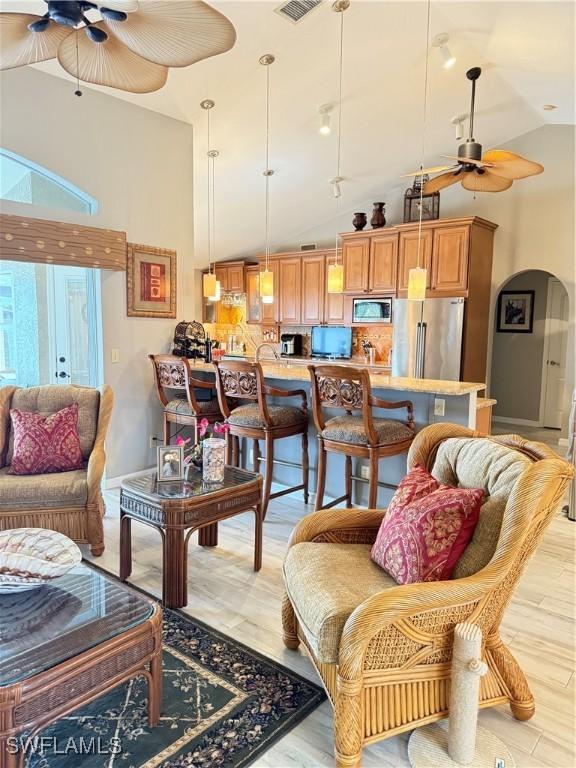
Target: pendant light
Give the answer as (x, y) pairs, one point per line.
(212, 155)
(336, 270)
(417, 277)
(266, 275)
(210, 285)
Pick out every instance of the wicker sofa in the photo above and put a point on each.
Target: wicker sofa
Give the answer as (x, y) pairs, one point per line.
(383, 651)
(68, 502)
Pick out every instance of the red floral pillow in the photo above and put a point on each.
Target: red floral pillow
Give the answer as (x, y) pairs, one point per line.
(44, 444)
(423, 540)
(415, 485)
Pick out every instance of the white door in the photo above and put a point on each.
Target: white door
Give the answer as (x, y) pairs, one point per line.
(554, 399)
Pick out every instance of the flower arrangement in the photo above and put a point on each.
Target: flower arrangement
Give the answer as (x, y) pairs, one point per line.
(193, 453)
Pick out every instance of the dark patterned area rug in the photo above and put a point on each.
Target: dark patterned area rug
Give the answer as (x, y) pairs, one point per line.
(223, 705)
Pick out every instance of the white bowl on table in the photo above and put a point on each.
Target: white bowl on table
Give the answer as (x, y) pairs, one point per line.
(32, 557)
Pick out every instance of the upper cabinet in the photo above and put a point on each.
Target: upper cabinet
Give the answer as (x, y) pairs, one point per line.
(231, 276)
(450, 259)
(313, 289)
(355, 257)
(409, 258)
(383, 263)
(289, 290)
(253, 304)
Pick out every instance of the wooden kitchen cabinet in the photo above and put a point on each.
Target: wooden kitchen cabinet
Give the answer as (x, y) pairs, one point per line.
(355, 257)
(290, 290)
(450, 260)
(270, 312)
(222, 277)
(313, 289)
(253, 303)
(231, 277)
(408, 255)
(383, 263)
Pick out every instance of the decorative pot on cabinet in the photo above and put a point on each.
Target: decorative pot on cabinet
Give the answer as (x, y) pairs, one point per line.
(378, 219)
(359, 221)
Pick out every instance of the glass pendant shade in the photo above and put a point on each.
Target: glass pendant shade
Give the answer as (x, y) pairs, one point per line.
(335, 278)
(417, 284)
(209, 285)
(267, 286)
(217, 292)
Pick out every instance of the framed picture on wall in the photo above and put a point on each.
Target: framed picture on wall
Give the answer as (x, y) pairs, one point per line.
(150, 281)
(515, 312)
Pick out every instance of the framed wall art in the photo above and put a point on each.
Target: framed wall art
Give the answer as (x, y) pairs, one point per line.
(150, 281)
(515, 312)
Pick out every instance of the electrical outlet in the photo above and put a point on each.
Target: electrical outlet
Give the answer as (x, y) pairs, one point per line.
(365, 471)
(153, 441)
(115, 355)
(439, 406)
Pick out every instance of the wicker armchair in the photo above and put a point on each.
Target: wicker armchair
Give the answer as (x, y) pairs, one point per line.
(68, 502)
(390, 671)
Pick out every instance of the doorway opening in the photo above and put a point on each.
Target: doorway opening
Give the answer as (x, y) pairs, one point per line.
(49, 324)
(529, 372)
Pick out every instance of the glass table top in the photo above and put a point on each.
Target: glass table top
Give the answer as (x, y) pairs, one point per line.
(192, 486)
(71, 614)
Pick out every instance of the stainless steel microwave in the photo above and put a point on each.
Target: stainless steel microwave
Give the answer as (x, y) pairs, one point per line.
(372, 310)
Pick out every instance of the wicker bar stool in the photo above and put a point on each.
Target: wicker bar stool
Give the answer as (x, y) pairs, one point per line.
(182, 406)
(363, 436)
(259, 420)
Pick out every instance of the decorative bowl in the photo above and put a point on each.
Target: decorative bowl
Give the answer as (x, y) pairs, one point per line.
(31, 557)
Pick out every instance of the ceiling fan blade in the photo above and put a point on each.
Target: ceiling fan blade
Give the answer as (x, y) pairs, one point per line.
(20, 46)
(110, 63)
(509, 165)
(466, 160)
(433, 169)
(175, 33)
(128, 6)
(485, 182)
(444, 180)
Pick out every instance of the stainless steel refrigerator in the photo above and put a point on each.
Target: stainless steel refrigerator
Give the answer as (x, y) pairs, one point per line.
(427, 341)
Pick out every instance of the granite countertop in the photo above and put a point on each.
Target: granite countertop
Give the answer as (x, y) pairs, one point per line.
(298, 371)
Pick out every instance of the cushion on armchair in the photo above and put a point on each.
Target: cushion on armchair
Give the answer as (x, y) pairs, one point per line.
(62, 489)
(326, 583)
(43, 445)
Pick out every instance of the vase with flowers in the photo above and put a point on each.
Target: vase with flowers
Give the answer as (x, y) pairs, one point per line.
(194, 454)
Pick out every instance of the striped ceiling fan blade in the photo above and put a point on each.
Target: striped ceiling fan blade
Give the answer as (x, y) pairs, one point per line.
(20, 46)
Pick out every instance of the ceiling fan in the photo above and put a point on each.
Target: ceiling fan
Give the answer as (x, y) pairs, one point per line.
(493, 171)
(125, 44)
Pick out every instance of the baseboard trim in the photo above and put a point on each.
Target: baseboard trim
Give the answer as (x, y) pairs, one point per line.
(116, 482)
(520, 422)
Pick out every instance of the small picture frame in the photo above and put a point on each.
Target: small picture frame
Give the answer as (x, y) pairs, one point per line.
(515, 312)
(170, 463)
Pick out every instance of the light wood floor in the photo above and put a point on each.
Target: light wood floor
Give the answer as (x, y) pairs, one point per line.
(225, 593)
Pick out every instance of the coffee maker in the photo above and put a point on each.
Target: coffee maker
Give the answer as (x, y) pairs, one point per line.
(291, 345)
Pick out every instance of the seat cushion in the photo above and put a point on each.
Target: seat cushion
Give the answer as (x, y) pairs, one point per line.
(326, 583)
(480, 463)
(64, 489)
(350, 429)
(180, 405)
(280, 415)
(51, 398)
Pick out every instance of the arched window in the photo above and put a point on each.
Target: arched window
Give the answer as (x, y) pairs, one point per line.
(25, 182)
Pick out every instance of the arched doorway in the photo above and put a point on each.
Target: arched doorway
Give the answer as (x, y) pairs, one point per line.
(529, 373)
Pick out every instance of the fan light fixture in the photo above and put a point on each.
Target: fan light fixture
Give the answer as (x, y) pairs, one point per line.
(121, 43)
(335, 278)
(440, 42)
(325, 128)
(267, 276)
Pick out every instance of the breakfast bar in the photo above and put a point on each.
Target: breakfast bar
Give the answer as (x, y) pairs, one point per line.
(433, 400)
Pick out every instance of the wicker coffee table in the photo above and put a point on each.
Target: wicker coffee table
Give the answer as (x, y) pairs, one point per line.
(68, 642)
(179, 508)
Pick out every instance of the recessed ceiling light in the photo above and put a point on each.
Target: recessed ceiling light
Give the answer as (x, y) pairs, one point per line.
(440, 42)
(550, 107)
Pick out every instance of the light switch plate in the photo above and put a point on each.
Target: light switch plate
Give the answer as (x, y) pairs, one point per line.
(365, 471)
(115, 355)
(439, 406)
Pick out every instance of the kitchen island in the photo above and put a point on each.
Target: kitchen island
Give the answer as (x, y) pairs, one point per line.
(434, 401)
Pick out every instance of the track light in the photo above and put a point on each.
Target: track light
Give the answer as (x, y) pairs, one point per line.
(458, 121)
(440, 42)
(336, 190)
(324, 111)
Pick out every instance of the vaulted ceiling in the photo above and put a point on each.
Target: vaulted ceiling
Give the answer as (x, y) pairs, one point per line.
(525, 49)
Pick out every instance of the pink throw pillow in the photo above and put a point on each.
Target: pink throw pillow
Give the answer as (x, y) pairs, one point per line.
(423, 539)
(45, 444)
(415, 485)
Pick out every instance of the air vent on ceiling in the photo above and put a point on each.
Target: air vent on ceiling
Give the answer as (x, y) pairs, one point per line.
(295, 10)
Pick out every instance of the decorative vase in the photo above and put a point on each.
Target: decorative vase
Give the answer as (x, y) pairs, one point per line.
(378, 219)
(214, 456)
(359, 221)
